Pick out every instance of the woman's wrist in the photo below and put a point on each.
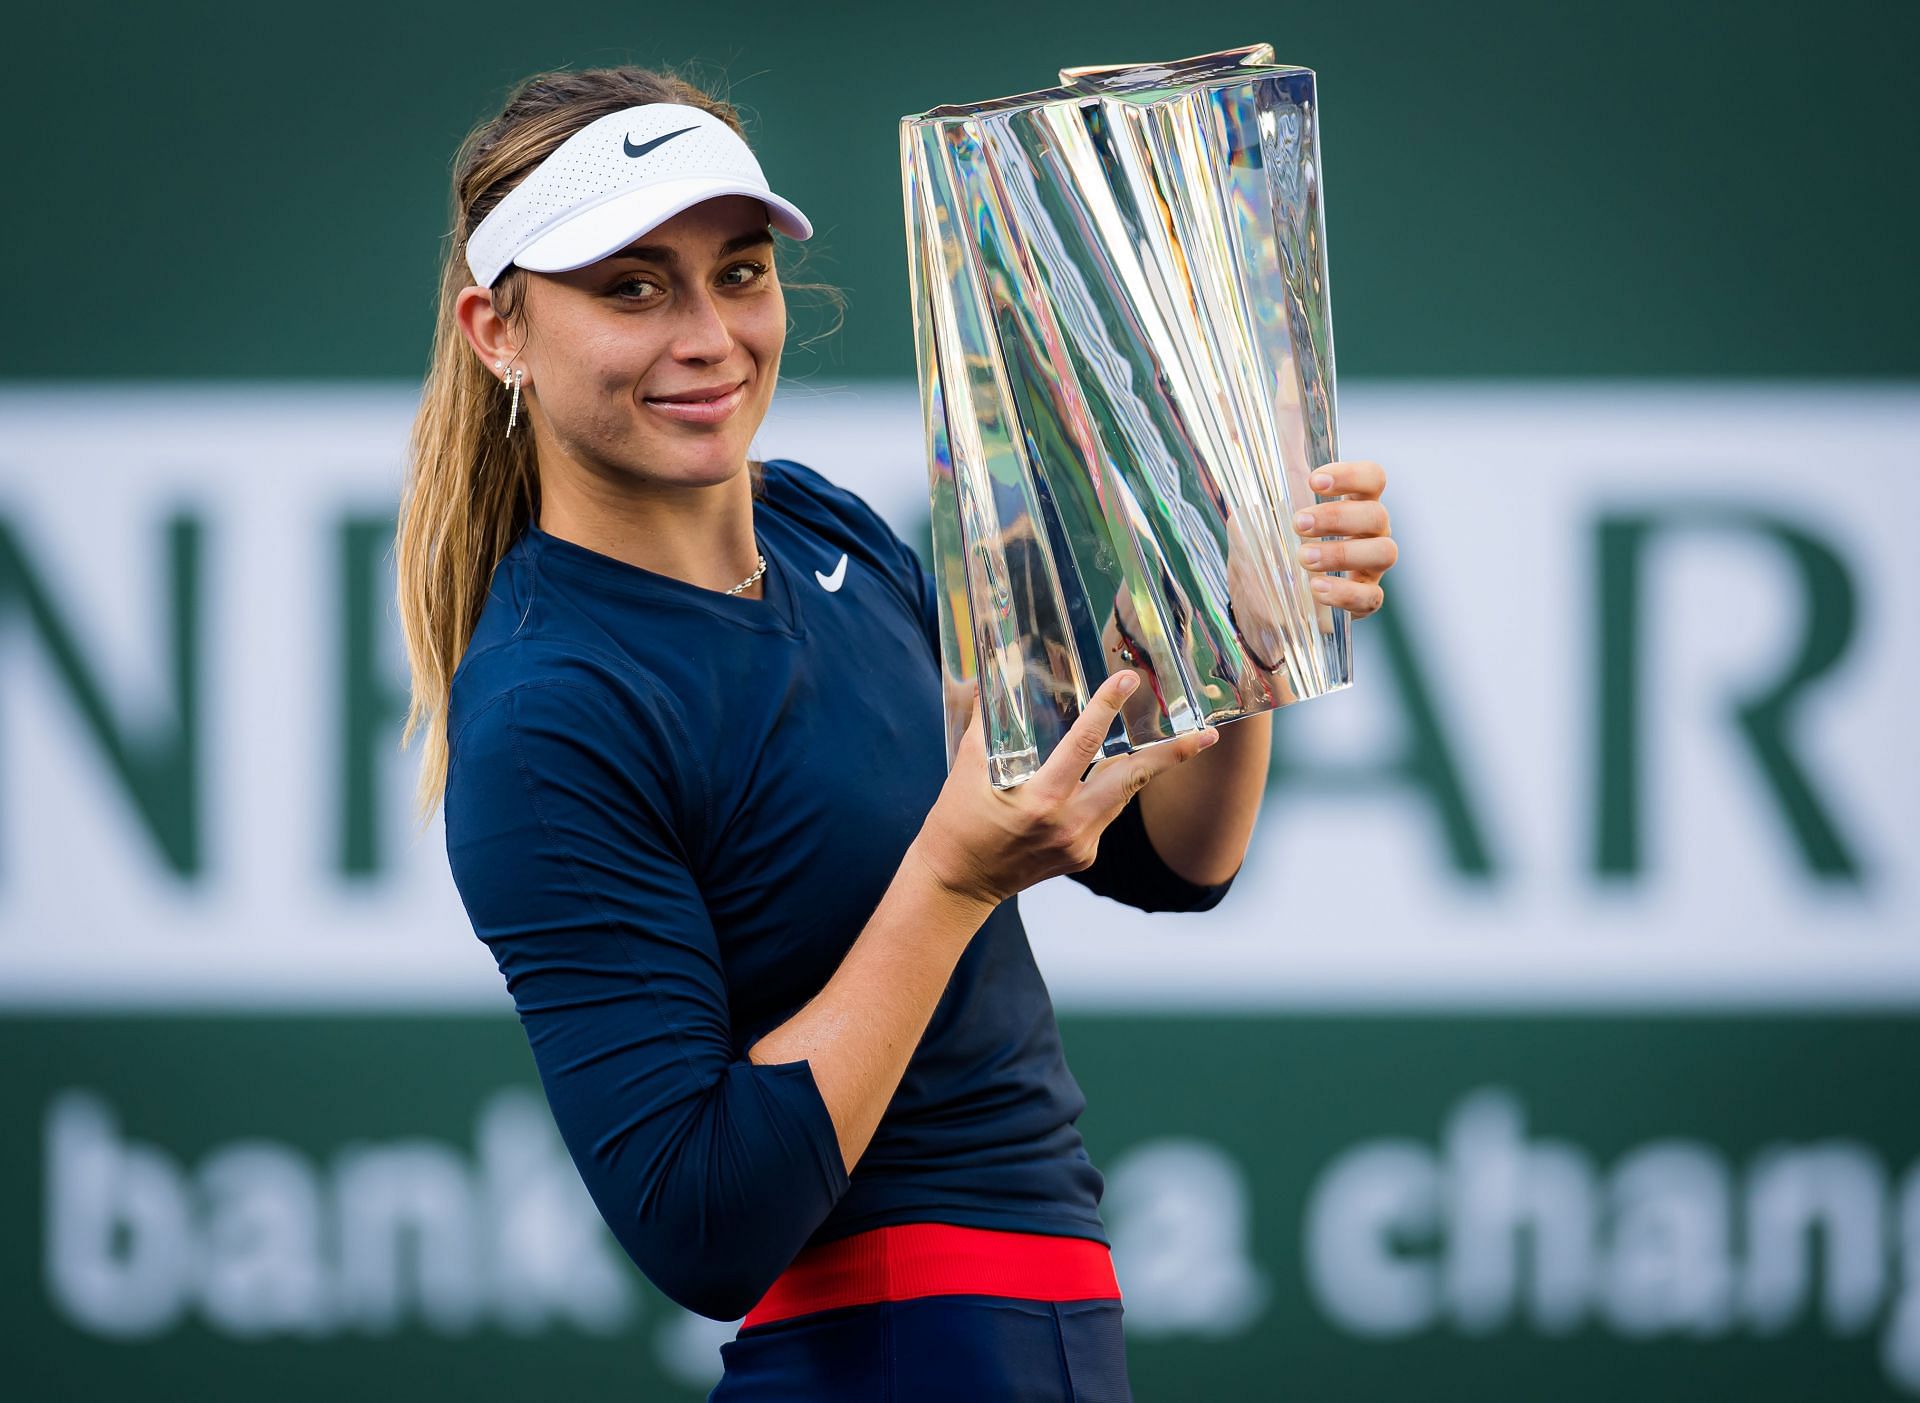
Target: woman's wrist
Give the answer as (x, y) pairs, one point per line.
(1199, 816)
(949, 891)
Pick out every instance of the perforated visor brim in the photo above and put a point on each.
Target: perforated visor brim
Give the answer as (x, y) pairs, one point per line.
(609, 227)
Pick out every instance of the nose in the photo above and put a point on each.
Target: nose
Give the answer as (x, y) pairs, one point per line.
(702, 333)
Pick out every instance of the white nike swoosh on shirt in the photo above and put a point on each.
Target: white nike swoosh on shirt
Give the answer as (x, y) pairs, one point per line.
(832, 582)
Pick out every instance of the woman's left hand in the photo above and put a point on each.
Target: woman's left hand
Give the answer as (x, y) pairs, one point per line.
(1366, 554)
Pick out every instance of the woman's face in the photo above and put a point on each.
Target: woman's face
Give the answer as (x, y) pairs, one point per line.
(658, 362)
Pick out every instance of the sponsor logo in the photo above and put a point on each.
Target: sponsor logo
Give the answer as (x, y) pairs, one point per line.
(261, 1238)
(647, 146)
(1494, 1228)
(254, 1238)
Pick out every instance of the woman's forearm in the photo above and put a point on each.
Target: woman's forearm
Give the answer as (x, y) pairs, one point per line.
(860, 1030)
(1199, 815)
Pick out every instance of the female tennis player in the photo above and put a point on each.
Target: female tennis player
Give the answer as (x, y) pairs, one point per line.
(684, 711)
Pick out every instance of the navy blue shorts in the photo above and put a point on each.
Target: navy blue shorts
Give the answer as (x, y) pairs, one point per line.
(937, 1349)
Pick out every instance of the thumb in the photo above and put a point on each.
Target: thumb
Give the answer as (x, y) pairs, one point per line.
(972, 736)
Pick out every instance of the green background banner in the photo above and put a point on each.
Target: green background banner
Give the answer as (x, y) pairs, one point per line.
(1634, 188)
(1581, 1208)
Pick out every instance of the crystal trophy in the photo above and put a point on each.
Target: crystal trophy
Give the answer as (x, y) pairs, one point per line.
(1126, 367)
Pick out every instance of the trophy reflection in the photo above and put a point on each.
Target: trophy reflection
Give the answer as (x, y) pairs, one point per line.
(1126, 367)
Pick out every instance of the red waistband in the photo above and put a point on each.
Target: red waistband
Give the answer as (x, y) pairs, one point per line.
(910, 1260)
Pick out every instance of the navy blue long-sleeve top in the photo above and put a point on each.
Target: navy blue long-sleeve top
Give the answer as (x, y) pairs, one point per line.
(669, 813)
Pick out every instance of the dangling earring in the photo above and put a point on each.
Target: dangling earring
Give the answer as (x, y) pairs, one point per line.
(514, 379)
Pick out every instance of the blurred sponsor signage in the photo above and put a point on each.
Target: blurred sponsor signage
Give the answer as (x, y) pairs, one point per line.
(1633, 726)
(1549, 1044)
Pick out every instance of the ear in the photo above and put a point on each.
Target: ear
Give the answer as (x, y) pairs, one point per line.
(485, 329)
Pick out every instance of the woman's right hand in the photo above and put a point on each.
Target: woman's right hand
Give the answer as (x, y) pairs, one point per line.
(987, 844)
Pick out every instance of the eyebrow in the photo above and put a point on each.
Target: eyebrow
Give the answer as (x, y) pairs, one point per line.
(661, 253)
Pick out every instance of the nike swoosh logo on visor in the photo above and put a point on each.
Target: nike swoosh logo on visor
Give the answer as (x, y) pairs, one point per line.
(831, 583)
(647, 146)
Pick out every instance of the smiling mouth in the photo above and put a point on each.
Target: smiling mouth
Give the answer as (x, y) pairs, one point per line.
(700, 406)
(697, 396)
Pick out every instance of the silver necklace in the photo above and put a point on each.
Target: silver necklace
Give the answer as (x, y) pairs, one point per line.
(751, 578)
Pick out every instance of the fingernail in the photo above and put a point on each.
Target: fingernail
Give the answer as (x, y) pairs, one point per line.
(1323, 585)
(1321, 481)
(1128, 681)
(1303, 520)
(1310, 556)
(1208, 737)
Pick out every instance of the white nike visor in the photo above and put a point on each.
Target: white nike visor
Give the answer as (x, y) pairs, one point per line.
(611, 182)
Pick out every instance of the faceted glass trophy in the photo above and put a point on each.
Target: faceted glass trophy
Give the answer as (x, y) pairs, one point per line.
(1126, 366)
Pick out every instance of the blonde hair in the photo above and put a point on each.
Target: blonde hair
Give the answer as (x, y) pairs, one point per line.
(470, 489)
